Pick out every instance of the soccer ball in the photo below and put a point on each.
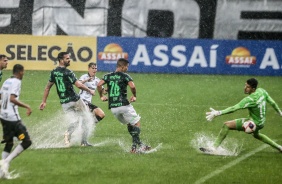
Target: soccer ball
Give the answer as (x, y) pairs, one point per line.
(249, 127)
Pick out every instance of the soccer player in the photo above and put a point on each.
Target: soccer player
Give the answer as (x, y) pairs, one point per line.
(256, 105)
(11, 121)
(121, 108)
(64, 79)
(90, 80)
(3, 64)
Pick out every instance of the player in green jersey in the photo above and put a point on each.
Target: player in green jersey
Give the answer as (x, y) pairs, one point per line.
(3, 64)
(256, 105)
(64, 79)
(120, 106)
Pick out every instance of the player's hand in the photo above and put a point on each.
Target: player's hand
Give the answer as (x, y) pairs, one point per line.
(28, 111)
(92, 92)
(42, 106)
(133, 99)
(280, 113)
(212, 114)
(104, 98)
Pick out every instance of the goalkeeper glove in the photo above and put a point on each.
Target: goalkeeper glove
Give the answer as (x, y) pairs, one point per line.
(212, 114)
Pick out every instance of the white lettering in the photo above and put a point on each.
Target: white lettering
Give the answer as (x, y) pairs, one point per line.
(213, 53)
(141, 56)
(158, 53)
(269, 59)
(198, 57)
(176, 53)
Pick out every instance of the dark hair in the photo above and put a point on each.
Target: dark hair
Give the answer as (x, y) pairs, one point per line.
(2, 56)
(252, 82)
(91, 64)
(61, 55)
(17, 68)
(122, 62)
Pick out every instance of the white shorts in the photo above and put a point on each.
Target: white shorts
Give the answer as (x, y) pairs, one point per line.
(126, 114)
(78, 106)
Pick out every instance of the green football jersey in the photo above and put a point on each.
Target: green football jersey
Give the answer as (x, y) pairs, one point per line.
(64, 80)
(117, 88)
(256, 104)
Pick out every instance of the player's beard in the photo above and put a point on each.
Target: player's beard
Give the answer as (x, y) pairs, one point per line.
(67, 64)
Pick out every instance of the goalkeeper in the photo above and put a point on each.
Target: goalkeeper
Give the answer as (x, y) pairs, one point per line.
(256, 105)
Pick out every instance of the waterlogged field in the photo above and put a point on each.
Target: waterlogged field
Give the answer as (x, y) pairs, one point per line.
(173, 109)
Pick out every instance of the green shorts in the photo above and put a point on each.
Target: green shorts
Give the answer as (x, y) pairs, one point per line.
(240, 122)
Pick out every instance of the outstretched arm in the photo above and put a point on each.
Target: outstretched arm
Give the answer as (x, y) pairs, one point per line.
(45, 95)
(81, 86)
(274, 105)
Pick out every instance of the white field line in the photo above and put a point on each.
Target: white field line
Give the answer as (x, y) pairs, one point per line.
(227, 166)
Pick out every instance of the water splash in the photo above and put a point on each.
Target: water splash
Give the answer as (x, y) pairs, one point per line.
(228, 148)
(11, 175)
(49, 133)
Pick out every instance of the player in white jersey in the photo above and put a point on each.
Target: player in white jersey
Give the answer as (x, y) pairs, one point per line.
(11, 121)
(90, 80)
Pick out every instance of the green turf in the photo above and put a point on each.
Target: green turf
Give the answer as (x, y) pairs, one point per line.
(173, 109)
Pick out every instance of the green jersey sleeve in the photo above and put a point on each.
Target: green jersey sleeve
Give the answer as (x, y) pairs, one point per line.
(244, 103)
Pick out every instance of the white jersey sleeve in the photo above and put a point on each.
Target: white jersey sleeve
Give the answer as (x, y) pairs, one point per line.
(84, 95)
(9, 111)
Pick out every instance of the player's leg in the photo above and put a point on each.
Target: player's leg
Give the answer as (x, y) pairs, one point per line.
(267, 140)
(99, 114)
(133, 126)
(83, 111)
(70, 110)
(22, 135)
(8, 135)
(229, 125)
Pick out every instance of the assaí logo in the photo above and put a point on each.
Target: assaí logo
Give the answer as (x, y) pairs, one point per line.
(112, 52)
(240, 57)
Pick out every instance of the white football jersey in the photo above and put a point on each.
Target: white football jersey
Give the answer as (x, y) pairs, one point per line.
(9, 111)
(90, 84)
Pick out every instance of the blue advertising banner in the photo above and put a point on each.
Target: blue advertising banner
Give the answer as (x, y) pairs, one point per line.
(191, 56)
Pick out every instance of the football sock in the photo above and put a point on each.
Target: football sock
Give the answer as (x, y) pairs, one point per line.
(267, 140)
(222, 134)
(5, 155)
(134, 132)
(99, 118)
(14, 153)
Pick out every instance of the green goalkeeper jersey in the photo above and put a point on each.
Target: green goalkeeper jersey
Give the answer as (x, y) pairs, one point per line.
(256, 104)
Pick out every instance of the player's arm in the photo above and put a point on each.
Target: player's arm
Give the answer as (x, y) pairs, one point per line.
(133, 91)
(85, 80)
(81, 86)
(45, 95)
(13, 99)
(274, 105)
(213, 113)
(100, 90)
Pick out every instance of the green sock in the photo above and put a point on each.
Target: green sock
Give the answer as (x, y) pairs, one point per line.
(267, 140)
(222, 134)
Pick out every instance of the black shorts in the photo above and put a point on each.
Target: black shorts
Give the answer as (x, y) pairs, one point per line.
(13, 129)
(90, 105)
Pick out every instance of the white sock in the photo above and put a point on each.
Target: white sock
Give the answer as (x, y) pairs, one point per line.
(5, 155)
(14, 153)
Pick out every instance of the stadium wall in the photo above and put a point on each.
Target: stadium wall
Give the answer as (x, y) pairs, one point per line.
(196, 19)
